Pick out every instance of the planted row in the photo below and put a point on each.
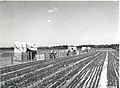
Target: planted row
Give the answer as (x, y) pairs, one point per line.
(112, 71)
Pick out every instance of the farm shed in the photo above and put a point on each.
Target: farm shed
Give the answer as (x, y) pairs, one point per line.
(88, 48)
(73, 50)
(85, 49)
(24, 51)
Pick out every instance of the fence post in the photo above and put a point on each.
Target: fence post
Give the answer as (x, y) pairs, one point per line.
(58, 54)
(45, 56)
(12, 58)
(39, 56)
(31, 55)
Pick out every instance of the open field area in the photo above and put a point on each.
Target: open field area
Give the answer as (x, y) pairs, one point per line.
(96, 69)
(59, 44)
(7, 56)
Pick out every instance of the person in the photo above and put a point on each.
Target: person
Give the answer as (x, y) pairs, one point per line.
(51, 54)
(68, 53)
(54, 54)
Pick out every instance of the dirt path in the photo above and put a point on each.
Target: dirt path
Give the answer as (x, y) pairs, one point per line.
(103, 78)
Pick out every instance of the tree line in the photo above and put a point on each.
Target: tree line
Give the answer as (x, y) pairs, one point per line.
(113, 46)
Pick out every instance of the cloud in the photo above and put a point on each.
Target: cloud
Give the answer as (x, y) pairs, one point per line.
(52, 10)
(64, 23)
(55, 9)
(49, 20)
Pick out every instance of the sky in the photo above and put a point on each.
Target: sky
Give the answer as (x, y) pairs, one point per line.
(49, 23)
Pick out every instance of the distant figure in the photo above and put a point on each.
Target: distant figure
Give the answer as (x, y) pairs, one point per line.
(53, 54)
(68, 53)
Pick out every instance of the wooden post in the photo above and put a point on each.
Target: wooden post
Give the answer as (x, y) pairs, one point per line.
(39, 56)
(12, 58)
(45, 56)
(31, 55)
(22, 57)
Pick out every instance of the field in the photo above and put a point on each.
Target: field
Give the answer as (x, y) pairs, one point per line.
(7, 57)
(96, 69)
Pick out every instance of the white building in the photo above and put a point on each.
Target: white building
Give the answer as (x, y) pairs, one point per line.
(24, 50)
(83, 48)
(89, 48)
(71, 48)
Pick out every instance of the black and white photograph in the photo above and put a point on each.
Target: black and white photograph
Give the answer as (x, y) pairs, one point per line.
(59, 44)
